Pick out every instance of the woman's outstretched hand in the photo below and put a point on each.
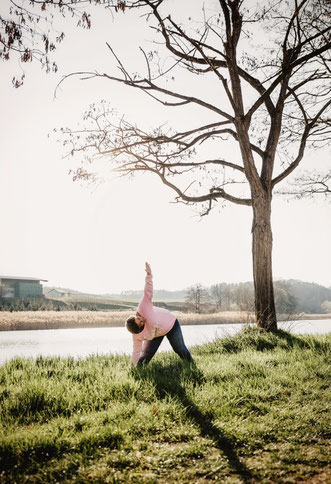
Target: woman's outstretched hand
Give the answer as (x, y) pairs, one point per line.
(148, 268)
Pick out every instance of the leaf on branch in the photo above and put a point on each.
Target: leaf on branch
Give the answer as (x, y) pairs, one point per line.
(86, 20)
(26, 56)
(60, 37)
(121, 6)
(18, 82)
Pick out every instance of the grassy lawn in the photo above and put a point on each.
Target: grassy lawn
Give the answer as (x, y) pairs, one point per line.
(254, 408)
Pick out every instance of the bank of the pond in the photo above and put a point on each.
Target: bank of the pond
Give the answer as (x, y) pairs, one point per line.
(254, 408)
(83, 342)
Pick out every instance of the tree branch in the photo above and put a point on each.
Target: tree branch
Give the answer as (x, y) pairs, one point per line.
(180, 164)
(280, 78)
(309, 185)
(302, 146)
(255, 83)
(213, 195)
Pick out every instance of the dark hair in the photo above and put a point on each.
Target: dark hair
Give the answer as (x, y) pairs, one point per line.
(132, 326)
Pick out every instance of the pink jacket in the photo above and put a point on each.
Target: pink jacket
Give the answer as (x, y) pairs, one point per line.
(159, 321)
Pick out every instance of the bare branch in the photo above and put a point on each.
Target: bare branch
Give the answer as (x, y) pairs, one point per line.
(292, 20)
(181, 164)
(197, 45)
(255, 83)
(213, 195)
(308, 185)
(285, 72)
(302, 146)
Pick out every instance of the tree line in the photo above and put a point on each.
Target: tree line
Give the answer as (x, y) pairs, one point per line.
(42, 304)
(291, 297)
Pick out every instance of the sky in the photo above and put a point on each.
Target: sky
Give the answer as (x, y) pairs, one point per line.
(96, 238)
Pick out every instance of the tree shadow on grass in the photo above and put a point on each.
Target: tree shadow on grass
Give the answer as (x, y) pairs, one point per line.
(167, 380)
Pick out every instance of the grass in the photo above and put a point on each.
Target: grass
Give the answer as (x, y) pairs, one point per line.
(254, 408)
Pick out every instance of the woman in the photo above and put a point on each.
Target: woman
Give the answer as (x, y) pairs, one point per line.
(151, 324)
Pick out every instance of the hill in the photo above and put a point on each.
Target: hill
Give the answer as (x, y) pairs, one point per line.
(309, 296)
(161, 295)
(82, 300)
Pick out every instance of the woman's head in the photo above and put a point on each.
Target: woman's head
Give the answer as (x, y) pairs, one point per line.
(135, 324)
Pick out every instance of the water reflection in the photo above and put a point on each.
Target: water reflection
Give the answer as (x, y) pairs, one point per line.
(84, 341)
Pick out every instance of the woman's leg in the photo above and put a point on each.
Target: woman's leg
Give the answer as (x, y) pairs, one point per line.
(149, 350)
(175, 337)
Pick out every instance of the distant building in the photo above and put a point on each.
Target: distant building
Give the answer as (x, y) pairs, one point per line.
(57, 293)
(20, 287)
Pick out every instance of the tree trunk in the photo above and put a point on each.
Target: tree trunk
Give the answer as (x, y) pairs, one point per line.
(262, 263)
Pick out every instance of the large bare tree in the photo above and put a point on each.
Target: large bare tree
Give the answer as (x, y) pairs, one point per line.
(272, 101)
(270, 61)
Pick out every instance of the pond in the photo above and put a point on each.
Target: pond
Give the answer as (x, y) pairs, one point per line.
(82, 342)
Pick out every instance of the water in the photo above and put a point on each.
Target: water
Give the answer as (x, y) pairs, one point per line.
(82, 342)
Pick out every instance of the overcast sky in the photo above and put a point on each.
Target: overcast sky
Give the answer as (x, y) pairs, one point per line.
(97, 238)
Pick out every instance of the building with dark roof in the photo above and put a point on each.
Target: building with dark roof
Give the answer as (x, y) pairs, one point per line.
(21, 287)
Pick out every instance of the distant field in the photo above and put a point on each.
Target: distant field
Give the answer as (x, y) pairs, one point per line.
(104, 303)
(22, 320)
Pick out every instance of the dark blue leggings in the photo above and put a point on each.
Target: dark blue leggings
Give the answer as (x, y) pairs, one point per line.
(175, 337)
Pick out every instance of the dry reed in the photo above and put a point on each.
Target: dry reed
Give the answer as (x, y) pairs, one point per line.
(23, 320)
(27, 320)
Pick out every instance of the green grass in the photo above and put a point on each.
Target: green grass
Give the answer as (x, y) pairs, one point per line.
(254, 408)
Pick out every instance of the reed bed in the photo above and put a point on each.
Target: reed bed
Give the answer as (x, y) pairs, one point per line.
(27, 320)
(61, 319)
(23, 320)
